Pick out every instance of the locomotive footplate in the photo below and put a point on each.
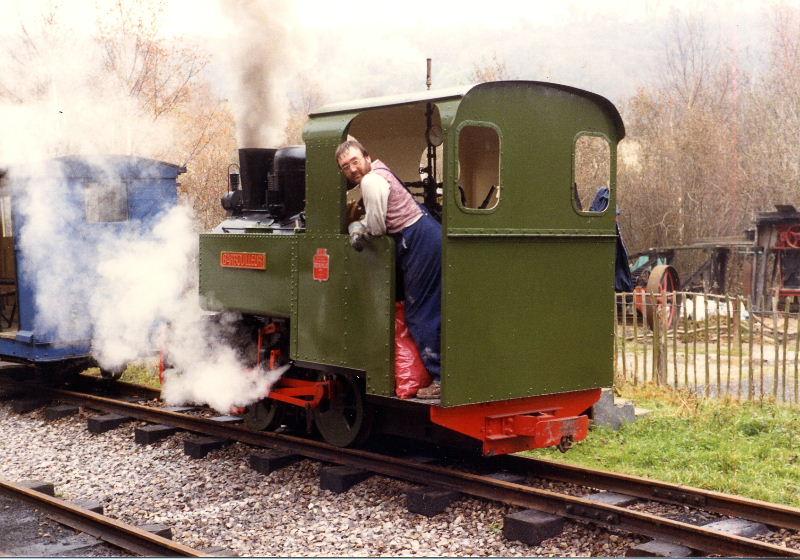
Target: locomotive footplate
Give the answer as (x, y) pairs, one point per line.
(527, 423)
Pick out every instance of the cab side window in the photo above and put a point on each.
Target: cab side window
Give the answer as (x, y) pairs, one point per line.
(591, 172)
(478, 181)
(106, 202)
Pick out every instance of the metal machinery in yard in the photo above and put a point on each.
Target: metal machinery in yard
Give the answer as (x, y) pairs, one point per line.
(769, 255)
(527, 316)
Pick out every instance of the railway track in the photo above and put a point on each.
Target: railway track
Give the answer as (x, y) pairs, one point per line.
(122, 535)
(775, 515)
(578, 508)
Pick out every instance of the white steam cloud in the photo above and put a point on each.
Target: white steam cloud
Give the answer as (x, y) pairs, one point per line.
(130, 290)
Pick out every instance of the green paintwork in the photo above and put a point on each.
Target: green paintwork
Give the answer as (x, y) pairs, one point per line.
(264, 292)
(325, 187)
(348, 321)
(527, 286)
(519, 320)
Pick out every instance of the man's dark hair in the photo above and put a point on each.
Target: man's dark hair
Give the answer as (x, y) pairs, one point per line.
(347, 144)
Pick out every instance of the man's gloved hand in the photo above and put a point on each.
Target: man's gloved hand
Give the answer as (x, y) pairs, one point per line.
(358, 235)
(355, 210)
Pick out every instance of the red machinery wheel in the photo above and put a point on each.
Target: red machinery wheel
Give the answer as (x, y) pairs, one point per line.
(791, 237)
(662, 297)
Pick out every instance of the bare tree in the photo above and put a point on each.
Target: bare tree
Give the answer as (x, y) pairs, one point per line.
(309, 97)
(25, 50)
(128, 59)
(687, 179)
(490, 70)
(207, 147)
(157, 72)
(772, 119)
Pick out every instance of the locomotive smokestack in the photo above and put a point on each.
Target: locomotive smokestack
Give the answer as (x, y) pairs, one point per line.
(254, 167)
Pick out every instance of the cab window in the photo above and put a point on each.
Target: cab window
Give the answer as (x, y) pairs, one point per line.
(591, 173)
(106, 202)
(478, 181)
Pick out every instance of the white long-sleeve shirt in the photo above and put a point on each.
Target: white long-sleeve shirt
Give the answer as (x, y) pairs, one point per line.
(375, 194)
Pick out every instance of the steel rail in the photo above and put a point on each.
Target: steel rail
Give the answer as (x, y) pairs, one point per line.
(581, 509)
(777, 515)
(116, 532)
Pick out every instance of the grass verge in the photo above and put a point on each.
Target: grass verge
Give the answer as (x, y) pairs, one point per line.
(748, 449)
(142, 373)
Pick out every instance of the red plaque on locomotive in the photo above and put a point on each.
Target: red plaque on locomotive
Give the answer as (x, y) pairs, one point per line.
(253, 261)
(322, 265)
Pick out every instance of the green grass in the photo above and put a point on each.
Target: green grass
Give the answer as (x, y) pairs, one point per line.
(748, 449)
(141, 373)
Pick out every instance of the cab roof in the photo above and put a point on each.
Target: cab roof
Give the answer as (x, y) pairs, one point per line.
(123, 166)
(392, 100)
(459, 92)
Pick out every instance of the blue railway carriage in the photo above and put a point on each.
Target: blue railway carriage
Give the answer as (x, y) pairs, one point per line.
(93, 196)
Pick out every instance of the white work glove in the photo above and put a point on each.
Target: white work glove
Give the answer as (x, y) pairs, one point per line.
(358, 235)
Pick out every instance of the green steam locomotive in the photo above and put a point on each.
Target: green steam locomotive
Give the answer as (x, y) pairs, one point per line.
(510, 169)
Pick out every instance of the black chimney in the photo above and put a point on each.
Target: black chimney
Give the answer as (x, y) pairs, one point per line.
(255, 164)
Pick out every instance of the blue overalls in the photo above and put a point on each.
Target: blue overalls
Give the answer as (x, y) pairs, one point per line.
(419, 257)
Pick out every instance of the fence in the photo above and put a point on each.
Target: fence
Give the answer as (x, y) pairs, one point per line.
(716, 345)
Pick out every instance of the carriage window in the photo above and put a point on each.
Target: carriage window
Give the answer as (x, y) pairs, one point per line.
(106, 202)
(591, 172)
(478, 167)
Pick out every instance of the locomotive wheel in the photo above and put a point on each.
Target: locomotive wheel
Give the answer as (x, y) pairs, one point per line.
(344, 419)
(263, 415)
(113, 375)
(64, 371)
(662, 299)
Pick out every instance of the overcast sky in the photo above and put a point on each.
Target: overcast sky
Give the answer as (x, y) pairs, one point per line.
(360, 49)
(609, 46)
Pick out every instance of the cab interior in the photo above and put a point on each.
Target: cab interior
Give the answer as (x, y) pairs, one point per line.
(398, 137)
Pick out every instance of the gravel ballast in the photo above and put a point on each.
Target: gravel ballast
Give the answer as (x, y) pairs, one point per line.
(221, 501)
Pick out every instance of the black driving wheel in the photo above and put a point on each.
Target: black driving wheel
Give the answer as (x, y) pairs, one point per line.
(344, 420)
(64, 371)
(112, 374)
(263, 415)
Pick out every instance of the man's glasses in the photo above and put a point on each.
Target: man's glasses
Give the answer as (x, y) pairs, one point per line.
(351, 164)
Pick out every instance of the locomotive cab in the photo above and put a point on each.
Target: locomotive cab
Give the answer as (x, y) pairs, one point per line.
(527, 280)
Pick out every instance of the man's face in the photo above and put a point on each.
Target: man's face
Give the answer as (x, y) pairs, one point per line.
(354, 165)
